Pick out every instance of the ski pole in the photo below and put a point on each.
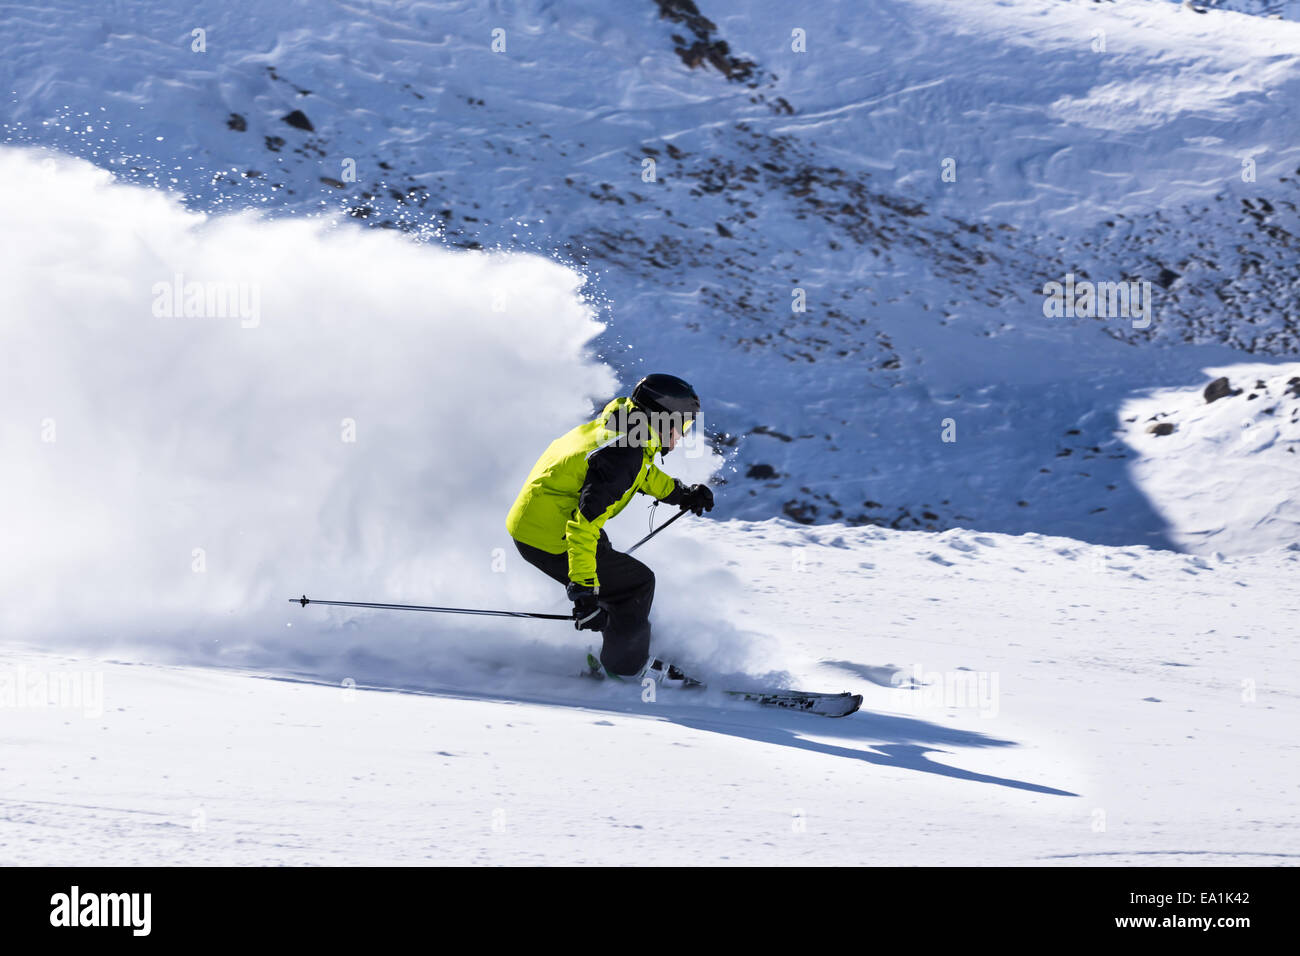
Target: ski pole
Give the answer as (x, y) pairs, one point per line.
(304, 601)
(655, 532)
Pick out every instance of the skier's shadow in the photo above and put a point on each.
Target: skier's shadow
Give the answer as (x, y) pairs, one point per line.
(893, 741)
(901, 742)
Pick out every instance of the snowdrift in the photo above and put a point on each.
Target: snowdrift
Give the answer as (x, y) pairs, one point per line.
(208, 415)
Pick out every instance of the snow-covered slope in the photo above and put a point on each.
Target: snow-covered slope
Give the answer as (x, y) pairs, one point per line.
(1274, 9)
(1224, 465)
(1129, 141)
(1077, 705)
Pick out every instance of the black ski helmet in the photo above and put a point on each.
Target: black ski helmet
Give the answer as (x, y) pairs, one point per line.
(666, 394)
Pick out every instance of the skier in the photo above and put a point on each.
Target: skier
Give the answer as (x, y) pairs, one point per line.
(583, 479)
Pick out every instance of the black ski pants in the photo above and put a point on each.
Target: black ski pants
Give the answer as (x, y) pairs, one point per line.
(627, 589)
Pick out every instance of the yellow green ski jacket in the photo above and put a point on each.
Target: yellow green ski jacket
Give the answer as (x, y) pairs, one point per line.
(583, 479)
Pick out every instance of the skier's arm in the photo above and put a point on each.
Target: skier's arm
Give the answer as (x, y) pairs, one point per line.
(667, 489)
(611, 471)
(696, 498)
(671, 491)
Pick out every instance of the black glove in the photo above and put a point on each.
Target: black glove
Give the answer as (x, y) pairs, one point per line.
(696, 498)
(588, 615)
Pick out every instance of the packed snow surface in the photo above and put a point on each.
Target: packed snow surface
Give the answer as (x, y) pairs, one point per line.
(1028, 700)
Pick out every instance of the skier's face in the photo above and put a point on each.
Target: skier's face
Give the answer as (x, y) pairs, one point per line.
(681, 424)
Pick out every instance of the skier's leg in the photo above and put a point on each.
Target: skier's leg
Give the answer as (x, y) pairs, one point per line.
(627, 589)
(552, 565)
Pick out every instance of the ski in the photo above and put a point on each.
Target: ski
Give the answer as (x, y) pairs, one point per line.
(823, 705)
(808, 702)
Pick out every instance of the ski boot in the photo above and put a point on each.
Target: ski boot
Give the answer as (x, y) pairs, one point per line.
(661, 672)
(668, 675)
(594, 669)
